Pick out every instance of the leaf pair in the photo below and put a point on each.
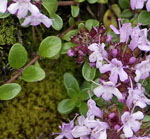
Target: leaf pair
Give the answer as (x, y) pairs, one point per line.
(77, 96)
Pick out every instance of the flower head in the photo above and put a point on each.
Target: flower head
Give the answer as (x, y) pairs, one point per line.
(142, 70)
(21, 8)
(136, 96)
(116, 70)
(93, 109)
(36, 19)
(99, 53)
(107, 90)
(131, 123)
(124, 31)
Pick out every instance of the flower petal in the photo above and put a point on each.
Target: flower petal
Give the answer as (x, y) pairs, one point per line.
(138, 115)
(3, 6)
(79, 131)
(127, 131)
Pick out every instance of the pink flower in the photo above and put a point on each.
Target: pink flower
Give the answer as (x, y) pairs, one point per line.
(99, 53)
(21, 8)
(66, 130)
(124, 31)
(107, 90)
(93, 109)
(81, 130)
(36, 19)
(142, 69)
(116, 70)
(137, 97)
(131, 123)
(143, 42)
(134, 37)
(148, 5)
(3, 6)
(98, 128)
(137, 4)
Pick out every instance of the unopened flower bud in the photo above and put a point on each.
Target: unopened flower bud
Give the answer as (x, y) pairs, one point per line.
(111, 115)
(109, 38)
(132, 60)
(116, 127)
(114, 52)
(70, 52)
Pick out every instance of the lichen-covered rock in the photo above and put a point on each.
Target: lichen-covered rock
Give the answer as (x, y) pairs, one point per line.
(33, 113)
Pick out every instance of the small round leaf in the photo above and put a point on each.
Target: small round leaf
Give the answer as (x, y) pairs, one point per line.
(50, 47)
(9, 91)
(69, 34)
(50, 5)
(92, 1)
(66, 106)
(33, 73)
(88, 72)
(17, 56)
(91, 23)
(71, 82)
(57, 22)
(75, 11)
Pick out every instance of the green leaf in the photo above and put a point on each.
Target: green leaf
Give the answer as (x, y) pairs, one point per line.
(71, 21)
(72, 93)
(84, 94)
(9, 91)
(81, 26)
(71, 82)
(92, 1)
(75, 11)
(79, 1)
(57, 22)
(109, 19)
(91, 23)
(4, 15)
(146, 119)
(33, 73)
(124, 4)
(50, 47)
(66, 46)
(17, 56)
(50, 6)
(126, 13)
(116, 9)
(69, 34)
(88, 72)
(83, 108)
(102, 1)
(66, 106)
(144, 18)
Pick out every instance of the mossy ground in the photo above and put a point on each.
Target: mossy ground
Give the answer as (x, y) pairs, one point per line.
(33, 113)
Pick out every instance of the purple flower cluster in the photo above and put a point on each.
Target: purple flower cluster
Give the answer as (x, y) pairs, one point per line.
(123, 66)
(25, 9)
(83, 39)
(139, 4)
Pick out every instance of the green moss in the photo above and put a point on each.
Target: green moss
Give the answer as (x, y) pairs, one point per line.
(7, 31)
(33, 112)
